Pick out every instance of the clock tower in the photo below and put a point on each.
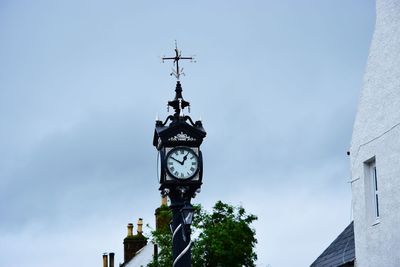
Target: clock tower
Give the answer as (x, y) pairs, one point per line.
(178, 141)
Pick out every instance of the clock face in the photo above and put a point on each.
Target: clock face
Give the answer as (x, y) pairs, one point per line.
(182, 163)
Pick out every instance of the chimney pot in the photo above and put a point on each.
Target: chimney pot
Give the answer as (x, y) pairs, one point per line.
(140, 226)
(112, 259)
(164, 200)
(130, 229)
(105, 260)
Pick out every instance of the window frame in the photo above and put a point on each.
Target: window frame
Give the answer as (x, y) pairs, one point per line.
(375, 190)
(372, 195)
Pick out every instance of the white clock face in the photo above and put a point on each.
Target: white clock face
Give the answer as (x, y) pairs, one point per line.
(182, 163)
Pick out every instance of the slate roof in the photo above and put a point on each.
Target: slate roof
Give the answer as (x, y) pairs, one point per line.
(340, 253)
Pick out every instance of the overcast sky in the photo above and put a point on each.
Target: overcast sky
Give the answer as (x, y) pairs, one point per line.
(81, 83)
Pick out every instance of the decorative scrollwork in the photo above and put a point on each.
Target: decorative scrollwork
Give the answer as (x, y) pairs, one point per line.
(181, 137)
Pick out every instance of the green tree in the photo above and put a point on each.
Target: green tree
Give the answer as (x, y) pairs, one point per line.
(163, 238)
(225, 239)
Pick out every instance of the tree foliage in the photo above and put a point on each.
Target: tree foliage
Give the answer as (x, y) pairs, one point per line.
(225, 239)
(163, 238)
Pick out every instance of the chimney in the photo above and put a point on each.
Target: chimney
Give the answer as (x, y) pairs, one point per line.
(139, 226)
(112, 259)
(105, 260)
(133, 243)
(163, 215)
(130, 229)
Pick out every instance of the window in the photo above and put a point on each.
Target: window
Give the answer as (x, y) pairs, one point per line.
(371, 191)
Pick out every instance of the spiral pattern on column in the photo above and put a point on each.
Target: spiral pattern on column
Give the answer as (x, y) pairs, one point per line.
(185, 250)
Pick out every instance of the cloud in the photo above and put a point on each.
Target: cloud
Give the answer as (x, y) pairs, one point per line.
(81, 84)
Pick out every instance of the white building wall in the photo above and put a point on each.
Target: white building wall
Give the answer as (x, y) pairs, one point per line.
(376, 134)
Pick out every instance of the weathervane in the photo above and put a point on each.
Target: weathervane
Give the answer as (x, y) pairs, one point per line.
(178, 56)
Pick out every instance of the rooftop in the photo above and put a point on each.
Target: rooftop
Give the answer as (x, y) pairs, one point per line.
(341, 252)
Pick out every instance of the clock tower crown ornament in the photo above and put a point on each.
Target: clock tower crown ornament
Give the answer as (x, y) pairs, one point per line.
(178, 141)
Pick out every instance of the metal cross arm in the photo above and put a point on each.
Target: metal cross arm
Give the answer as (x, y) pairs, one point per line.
(177, 72)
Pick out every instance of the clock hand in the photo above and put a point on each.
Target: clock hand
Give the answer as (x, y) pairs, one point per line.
(185, 158)
(180, 162)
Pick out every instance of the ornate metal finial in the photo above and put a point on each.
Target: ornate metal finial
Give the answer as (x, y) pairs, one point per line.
(178, 104)
(177, 72)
